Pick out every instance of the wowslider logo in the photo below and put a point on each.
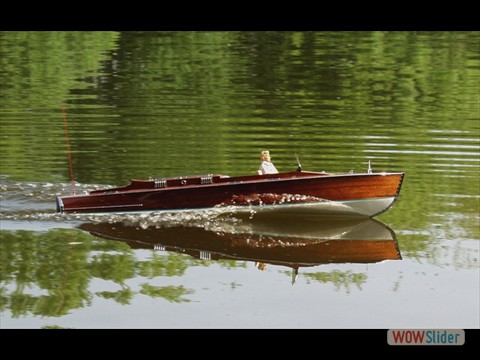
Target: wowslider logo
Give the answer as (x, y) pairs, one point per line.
(425, 337)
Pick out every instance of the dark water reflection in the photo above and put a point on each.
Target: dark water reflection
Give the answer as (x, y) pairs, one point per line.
(294, 244)
(159, 104)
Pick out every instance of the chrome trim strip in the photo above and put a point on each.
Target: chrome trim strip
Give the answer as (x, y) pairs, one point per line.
(104, 207)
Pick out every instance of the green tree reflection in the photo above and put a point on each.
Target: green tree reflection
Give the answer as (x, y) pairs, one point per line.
(49, 273)
(340, 279)
(123, 296)
(170, 293)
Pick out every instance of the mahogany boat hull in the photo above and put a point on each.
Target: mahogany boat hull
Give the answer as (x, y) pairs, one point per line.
(303, 193)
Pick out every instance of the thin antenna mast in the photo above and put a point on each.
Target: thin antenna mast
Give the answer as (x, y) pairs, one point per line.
(68, 149)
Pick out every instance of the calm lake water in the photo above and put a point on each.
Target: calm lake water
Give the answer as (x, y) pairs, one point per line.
(157, 104)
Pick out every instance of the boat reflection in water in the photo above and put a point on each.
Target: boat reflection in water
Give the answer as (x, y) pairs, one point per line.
(291, 243)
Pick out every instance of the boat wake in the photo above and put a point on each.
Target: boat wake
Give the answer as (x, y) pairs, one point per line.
(212, 220)
(30, 205)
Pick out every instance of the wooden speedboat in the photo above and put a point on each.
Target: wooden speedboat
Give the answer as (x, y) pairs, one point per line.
(296, 192)
(293, 244)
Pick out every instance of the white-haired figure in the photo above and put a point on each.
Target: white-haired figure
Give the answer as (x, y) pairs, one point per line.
(266, 167)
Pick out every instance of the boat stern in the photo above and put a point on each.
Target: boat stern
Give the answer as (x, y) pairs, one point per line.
(60, 206)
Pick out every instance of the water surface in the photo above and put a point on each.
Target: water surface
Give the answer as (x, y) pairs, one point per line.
(157, 104)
